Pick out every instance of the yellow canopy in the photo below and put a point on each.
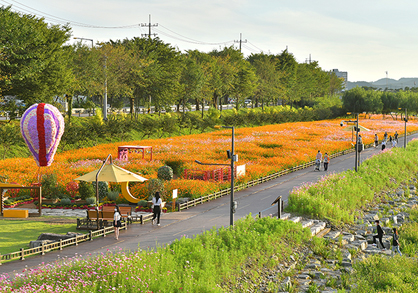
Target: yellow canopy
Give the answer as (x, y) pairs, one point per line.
(351, 128)
(6, 185)
(112, 173)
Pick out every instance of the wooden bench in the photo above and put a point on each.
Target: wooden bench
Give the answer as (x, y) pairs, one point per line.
(125, 212)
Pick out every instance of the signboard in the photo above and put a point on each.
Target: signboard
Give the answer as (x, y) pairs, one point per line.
(174, 193)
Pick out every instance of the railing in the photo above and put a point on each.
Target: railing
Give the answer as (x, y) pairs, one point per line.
(59, 245)
(226, 191)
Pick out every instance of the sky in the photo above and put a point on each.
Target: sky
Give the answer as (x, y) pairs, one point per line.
(368, 39)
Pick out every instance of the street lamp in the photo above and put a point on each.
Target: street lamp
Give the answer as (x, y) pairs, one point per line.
(84, 39)
(234, 158)
(405, 118)
(359, 144)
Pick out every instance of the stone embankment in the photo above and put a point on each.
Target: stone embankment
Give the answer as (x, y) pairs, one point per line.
(328, 270)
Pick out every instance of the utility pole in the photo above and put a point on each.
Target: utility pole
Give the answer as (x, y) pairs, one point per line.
(149, 25)
(240, 41)
(105, 90)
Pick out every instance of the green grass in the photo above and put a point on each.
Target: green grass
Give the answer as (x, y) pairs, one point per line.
(339, 197)
(210, 262)
(16, 234)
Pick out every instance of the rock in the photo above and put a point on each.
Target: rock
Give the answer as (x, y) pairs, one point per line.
(55, 237)
(37, 243)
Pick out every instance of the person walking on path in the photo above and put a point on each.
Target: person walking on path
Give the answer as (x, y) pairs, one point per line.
(319, 156)
(156, 208)
(383, 144)
(396, 136)
(379, 235)
(376, 141)
(394, 143)
(116, 222)
(395, 242)
(326, 161)
(385, 137)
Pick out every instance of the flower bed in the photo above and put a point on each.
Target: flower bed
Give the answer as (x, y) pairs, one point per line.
(265, 150)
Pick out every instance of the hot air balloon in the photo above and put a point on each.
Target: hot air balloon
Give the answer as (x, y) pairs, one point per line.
(42, 126)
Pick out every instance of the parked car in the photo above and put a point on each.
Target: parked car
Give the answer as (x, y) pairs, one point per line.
(247, 101)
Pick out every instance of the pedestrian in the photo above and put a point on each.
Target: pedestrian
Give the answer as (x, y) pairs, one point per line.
(376, 141)
(383, 144)
(116, 222)
(156, 208)
(396, 136)
(395, 242)
(385, 137)
(319, 156)
(390, 138)
(379, 235)
(326, 161)
(393, 143)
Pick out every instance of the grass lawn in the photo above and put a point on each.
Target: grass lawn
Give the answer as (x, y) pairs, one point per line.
(16, 234)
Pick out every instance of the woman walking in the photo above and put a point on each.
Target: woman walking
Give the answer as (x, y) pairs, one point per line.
(156, 203)
(395, 242)
(116, 222)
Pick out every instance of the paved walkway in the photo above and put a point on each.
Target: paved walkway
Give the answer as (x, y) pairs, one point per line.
(198, 219)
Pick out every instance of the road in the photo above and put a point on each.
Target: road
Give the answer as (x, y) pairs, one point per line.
(200, 218)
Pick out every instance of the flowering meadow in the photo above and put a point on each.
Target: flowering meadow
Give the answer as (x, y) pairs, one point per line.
(264, 150)
(208, 263)
(338, 197)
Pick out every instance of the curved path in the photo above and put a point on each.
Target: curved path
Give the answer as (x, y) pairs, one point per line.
(197, 219)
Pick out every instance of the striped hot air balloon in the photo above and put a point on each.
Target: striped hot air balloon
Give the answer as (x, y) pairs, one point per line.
(42, 126)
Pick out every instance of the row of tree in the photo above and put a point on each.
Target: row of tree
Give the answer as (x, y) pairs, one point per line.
(36, 65)
(361, 100)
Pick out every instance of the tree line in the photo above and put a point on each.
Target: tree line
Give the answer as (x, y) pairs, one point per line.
(368, 100)
(37, 65)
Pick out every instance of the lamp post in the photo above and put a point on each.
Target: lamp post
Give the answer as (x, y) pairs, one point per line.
(405, 118)
(84, 39)
(233, 158)
(358, 143)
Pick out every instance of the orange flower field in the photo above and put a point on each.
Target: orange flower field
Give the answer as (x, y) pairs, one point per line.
(264, 150)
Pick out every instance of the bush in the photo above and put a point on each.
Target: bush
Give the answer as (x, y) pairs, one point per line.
(49, 186)
(155, 185)
(165, 173)
(65, 201)
(91, 200)
(103, 188)
(177, 166)
(112, 195)
(143, 203)
(86, 190)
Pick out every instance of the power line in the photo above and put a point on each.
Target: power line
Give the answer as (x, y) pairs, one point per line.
(55, 19)
(149, 25)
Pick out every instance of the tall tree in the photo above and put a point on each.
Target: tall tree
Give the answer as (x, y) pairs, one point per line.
(36, 60)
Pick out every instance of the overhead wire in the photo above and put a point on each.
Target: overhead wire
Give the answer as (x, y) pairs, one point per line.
(55, 19)
(22, 8)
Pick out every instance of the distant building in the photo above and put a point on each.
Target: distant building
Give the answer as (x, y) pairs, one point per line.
(342, 74)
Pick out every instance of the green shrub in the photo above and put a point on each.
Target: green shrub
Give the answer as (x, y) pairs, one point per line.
(112, 195)
(177, 166)
(66, 201)
(50, 186)
(143, 203)
(155, 185)
(103, 188)
(91, 200)
(165, 173)
(86, 190)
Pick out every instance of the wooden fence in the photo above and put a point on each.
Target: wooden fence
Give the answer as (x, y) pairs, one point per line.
(227, 191)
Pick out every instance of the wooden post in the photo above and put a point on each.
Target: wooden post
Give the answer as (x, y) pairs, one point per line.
(279, 214)
(91, 235)
(22, 254)
(43, 249)
(60, 244)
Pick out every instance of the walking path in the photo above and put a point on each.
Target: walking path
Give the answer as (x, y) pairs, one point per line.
(198, 219)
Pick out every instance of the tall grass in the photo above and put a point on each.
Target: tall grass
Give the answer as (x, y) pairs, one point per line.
(338, 197)
(187, 265)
